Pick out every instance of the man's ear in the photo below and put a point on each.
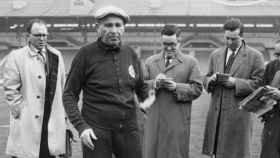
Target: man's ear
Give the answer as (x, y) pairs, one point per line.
(179, 39)
(97, 25)
(27, 35)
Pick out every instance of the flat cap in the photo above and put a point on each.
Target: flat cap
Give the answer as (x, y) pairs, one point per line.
(111, 10)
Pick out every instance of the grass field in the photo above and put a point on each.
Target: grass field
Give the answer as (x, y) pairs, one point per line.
(199, 111)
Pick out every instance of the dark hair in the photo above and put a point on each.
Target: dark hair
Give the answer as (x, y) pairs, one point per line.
(232, 24)
(31, 22)
(277, 42)
(170, 30)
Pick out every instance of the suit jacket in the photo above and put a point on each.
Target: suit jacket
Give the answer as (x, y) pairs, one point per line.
(167, 128)
(228, 129)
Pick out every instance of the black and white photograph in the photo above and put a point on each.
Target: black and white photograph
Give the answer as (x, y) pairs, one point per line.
(139, 78)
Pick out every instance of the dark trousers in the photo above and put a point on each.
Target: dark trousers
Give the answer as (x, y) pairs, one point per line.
(271, 136)
(44, 149)
(122, 142)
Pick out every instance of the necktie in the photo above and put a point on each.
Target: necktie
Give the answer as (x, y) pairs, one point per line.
(167, 62)
(230, 60)
(42, 55)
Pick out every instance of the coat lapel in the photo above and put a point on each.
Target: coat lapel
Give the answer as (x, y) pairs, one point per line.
(221, 60)
(238, 60)
(177, 60)
(160, 62)
(51, 78)
(174, 62)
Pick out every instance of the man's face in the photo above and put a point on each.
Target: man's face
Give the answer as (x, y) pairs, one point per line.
(111, 30)
(170, 45)
(233, 39)
(38, 35)
(277, 55)
(277, 51)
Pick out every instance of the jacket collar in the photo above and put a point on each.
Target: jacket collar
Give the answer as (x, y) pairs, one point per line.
(240, 56)
(177, 56)
(239, 59)
(33, 51)
(160, 61)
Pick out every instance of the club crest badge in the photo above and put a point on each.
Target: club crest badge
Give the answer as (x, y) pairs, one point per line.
(131, 71)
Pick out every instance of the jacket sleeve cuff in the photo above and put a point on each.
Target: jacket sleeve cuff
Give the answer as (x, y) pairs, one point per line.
(81, 128)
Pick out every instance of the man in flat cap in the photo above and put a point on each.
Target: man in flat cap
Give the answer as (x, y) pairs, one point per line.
(109, 74)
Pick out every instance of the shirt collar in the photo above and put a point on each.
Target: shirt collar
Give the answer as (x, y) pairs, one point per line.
(107, 47)
(177, 56)
(34, 51)
(236, 50)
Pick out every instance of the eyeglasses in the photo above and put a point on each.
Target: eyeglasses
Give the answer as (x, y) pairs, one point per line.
(169, 44)
(40, 35)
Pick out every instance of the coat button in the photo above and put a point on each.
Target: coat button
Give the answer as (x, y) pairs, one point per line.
(269, 133)
(38, 97)
(39, 76)
(120, 81)
(36, 116)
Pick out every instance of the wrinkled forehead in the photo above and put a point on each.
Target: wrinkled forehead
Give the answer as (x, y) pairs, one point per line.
(232, 34)
(169, 39)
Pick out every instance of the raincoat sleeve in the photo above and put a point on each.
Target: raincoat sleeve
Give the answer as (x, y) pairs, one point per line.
(207, 84)
(244, 87)
(12, 83)
(192, 89)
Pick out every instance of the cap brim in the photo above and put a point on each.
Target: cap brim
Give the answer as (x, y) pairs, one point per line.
(125, 19)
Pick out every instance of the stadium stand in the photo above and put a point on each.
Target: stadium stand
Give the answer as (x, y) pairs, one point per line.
(72, 25)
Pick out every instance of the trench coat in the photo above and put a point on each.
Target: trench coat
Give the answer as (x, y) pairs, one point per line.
(271, 129)
(24, 87)
(234, 133)
(167, 127)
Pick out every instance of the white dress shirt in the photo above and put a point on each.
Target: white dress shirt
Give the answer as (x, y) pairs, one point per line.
(230, 51)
